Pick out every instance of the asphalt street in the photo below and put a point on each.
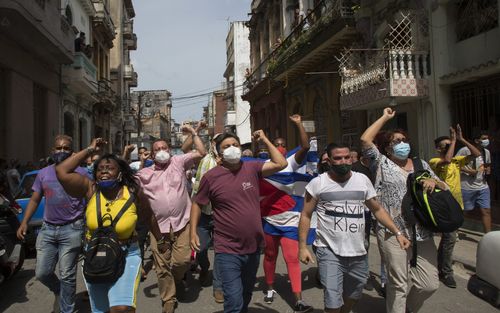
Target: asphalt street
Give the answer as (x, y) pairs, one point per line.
(23, 294)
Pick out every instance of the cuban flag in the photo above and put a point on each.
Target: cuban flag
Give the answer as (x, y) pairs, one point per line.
(282, 198)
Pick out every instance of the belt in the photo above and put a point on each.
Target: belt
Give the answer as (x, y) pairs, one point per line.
(65, 223)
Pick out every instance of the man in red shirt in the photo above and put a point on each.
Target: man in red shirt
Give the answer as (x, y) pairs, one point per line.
(233, 190)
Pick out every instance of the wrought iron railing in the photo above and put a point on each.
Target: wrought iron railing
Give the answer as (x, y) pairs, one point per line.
(383, 65)
(324, 13)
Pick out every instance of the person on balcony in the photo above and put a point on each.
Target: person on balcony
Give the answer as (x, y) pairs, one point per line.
(80, 43)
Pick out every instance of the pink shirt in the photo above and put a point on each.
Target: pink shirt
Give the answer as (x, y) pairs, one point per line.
(165, 189)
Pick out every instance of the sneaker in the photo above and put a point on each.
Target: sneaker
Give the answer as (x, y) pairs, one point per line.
(269, 298)
(218, 296)
(381, 291)
(302, 307)
(449, 281)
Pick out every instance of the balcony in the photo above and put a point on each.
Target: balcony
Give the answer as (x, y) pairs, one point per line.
(131, 43)
(38, 27)
(133, 82)
(128, 72)
(328, 28)
(400, 75)
(105, 94)
(229, 118)
(81, 76)
(103, 22)
(128, 29)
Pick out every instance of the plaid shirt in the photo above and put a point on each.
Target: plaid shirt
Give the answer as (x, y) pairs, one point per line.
(207, 163)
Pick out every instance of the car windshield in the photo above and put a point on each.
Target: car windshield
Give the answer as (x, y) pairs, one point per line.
(24, 190)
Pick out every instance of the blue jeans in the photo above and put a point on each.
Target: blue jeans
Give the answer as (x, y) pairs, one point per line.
(205, 232)
(238, 278)
(59, 244)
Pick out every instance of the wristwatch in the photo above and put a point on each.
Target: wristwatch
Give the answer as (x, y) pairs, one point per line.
(90, 150)
(399, 233)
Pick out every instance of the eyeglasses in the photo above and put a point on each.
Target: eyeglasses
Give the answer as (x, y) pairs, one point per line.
(278, 144)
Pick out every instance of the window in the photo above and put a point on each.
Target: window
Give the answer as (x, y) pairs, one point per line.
(475, 17)
(3, 111)
(476, 105)
(69, 124)
(82, 132)
(69, 14)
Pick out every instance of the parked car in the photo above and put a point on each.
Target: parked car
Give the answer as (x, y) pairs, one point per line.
(486, 282)
(23, 196)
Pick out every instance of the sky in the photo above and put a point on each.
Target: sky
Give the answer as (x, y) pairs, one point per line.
(181, 47)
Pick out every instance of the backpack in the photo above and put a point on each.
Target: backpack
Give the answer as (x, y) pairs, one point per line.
(104, 258)
(438, 211)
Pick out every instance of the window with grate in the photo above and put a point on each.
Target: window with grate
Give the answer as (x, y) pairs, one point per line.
(475, 17)
(476, 105)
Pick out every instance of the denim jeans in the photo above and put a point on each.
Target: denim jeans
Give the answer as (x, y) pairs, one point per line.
(205, 232)
(238, 278)
(59, 244)
(445, 253)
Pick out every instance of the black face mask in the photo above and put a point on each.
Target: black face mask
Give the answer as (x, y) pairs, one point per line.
(59, 157)
(323, 167)
(341, 169)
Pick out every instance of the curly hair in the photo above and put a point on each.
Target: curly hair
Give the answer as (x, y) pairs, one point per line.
(127, 173)
(384, 138)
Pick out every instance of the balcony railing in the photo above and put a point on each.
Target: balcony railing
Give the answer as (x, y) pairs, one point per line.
(128, 71)
(324, 14)
(81, 61)
(385, 73)
(103, 16)
(131, 42)
(128, 28)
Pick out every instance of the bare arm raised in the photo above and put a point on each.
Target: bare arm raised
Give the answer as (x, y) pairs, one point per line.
(76, 185)
(277, 162)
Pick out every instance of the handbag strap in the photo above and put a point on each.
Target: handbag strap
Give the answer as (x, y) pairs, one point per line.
(120, 213)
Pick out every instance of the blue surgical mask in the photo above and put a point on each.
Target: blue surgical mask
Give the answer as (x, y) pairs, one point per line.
(107, 184)
(264, 155)
(90, 169)
(148, 163)
(59, 157)
(401, 150)
(485, 143)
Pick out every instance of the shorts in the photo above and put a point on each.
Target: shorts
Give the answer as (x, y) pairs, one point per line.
(123, 291)
(476, 199)
(341, 276)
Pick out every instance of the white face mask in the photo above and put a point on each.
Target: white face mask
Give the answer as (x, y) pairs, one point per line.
(485, 143)
(232, 155)
(162, 156)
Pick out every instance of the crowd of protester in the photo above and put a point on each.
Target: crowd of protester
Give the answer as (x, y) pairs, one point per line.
(247, 205)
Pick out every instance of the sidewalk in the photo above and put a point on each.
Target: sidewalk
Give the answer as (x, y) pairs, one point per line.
(465, 248)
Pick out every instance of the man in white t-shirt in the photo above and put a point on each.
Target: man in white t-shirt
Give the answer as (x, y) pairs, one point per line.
(339, 197)
(475, 189)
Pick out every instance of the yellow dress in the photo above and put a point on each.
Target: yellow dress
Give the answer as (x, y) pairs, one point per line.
(126, 225)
